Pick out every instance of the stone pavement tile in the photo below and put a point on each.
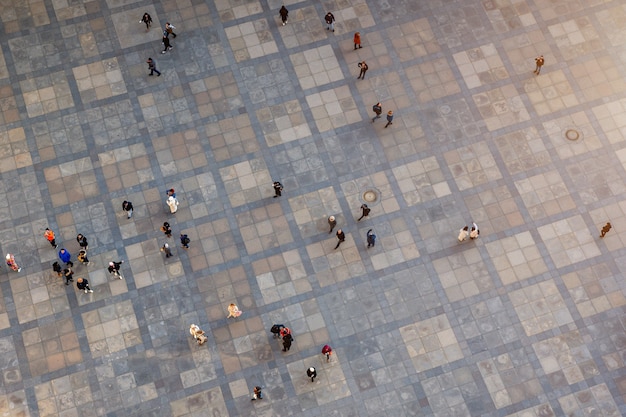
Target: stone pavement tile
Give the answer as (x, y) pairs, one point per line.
(131, 32)
(421, 181)
(503, 106)
(545, 195)
(251, 40)
(111, 329)
(281, 277)
(611, 118)
(311, 211)
(558, 128)
(207, 401)
(14, 150)
(575, 37)
(237, 9)
(463, 275)
(332, 266)
(264, 228)
(458, 26)
(566, 241)
(613, 213)
(443, 395)
(126, 167)
(523, 150)
(333, 108)
(267, 81)
(568, 355)
(522, 50)
(481, 66)
(599, 78)
(303, 26)
(535, 411)
(540, 307)
(592, 181)
(406, 290)
(493, 210)
(389, 90)
(395, 243)
(472, 166)
(163, 109)
(216, 95)
(316, 67)
(433, 80)
(596, 396)
(247, 181)
(550, 92)
(412, 39)
(613, 24)
(99, 80)
(8, 106)
(509, 15)
(17, 16)
(113, 123)
(4, 72)
(46, 94)
(87, 39)
(358, 191)
(176, 153)
(350, 16)
(330, 384)
(453, 123)
(283, 123)
(187, 16)
(233, 137)
(36, 52)
(431, 343)
(218, 245)
(516, 258)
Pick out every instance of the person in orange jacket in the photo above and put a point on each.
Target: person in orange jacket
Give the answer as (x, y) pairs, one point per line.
(357, 40)
(49, 234)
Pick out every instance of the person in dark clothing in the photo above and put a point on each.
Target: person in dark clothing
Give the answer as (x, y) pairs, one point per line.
(364, 69)
(82, 241)
(365, 211)
(114, 268)
(327, 350)
(152, 67)
(184, 240)
(82, 257)
(283, 12)
(371, 238)
(127, 206)
(276, 328)
(311, 373)
(332, 222)
(56, 267)
(378, 109)
(389, 118)
(83, 284)
(341, 237)
(147, 20)
(166, 249)
(166, 43)
(166, 229)
(169, 28)
(330, 21)
(287, 339)
(69, 274)
(257, 394)
(278, 189)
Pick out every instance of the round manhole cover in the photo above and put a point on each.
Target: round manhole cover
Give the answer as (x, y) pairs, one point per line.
(572, 134)
(370, 196)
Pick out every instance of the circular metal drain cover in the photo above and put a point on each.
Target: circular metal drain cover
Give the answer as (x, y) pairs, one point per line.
(573, 134)
(370, 196)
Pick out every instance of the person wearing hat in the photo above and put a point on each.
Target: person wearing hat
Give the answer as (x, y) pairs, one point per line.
(389, 118)
(311, 373)
(332, 222)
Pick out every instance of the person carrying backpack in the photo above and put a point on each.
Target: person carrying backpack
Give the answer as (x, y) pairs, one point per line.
(184, 240)
(378, 110)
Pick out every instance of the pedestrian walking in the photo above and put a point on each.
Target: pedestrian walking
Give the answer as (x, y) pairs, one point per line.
(285, 331)
(56, 267)
(275, 330)
(69, 275)
(82, 257)
(12, 263)
(127, 206)
(332, 222)
(82, 241)
(378, 110)
(311, 373)
(365, 211)
(233, 311)
(147, 20)
(66, 257)
(166, 43)
(364, 69)
(463, 234)
(152, 67)
(257, 394)
(171, 193)
(287, 342)
(474, 232)
(169, 28)
(605, 229)
(539, 61)
(83, 284)
(114, 268)
(371, 238)
(357, 40)
(327, 350)
(166, 229)
(166, 249)
(198, 334)
(341, 237)
(172, 203)
(284, 13)
(278, 189)
(389, 118)
(49, 235)
(330, 21)
(184, 240)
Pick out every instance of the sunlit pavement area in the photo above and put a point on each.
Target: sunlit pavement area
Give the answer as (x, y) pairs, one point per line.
(525, 321)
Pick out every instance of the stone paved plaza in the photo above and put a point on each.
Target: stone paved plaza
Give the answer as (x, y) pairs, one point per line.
(526, 321)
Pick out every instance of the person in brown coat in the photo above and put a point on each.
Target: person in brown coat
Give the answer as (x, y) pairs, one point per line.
(357, 40)
(364, 69)
(341, 237)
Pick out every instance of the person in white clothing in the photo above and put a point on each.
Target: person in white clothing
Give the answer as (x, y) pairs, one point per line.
(172, 202)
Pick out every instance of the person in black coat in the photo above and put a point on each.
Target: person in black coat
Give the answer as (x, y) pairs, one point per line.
(311, 373)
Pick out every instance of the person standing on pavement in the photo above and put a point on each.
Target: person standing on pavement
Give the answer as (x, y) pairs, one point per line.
(83, 284)
(330, 21)
(184, 240)
(147, 20)
(332, 222)
(166, 249)
(69, 274)
(166, 229)
(365, 211)
(166, 43)
(278, 189)
(172, 203)
(152, 67)
(114, 268)
(127, 206)
(56, 267)
(12, 263)
(66, 257)
(378, 109)
(474, 233)
(539, 61)
(341, 237)
(357, 40)
(233, 311)
(364, 69)
(287, 339)
(311, 373)
(49, 234)
(169, 28)
(327, 350)
(389, 118)
(463, 234)
(82, 257)
(82, 241)
(284, 13)
(371, 238)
